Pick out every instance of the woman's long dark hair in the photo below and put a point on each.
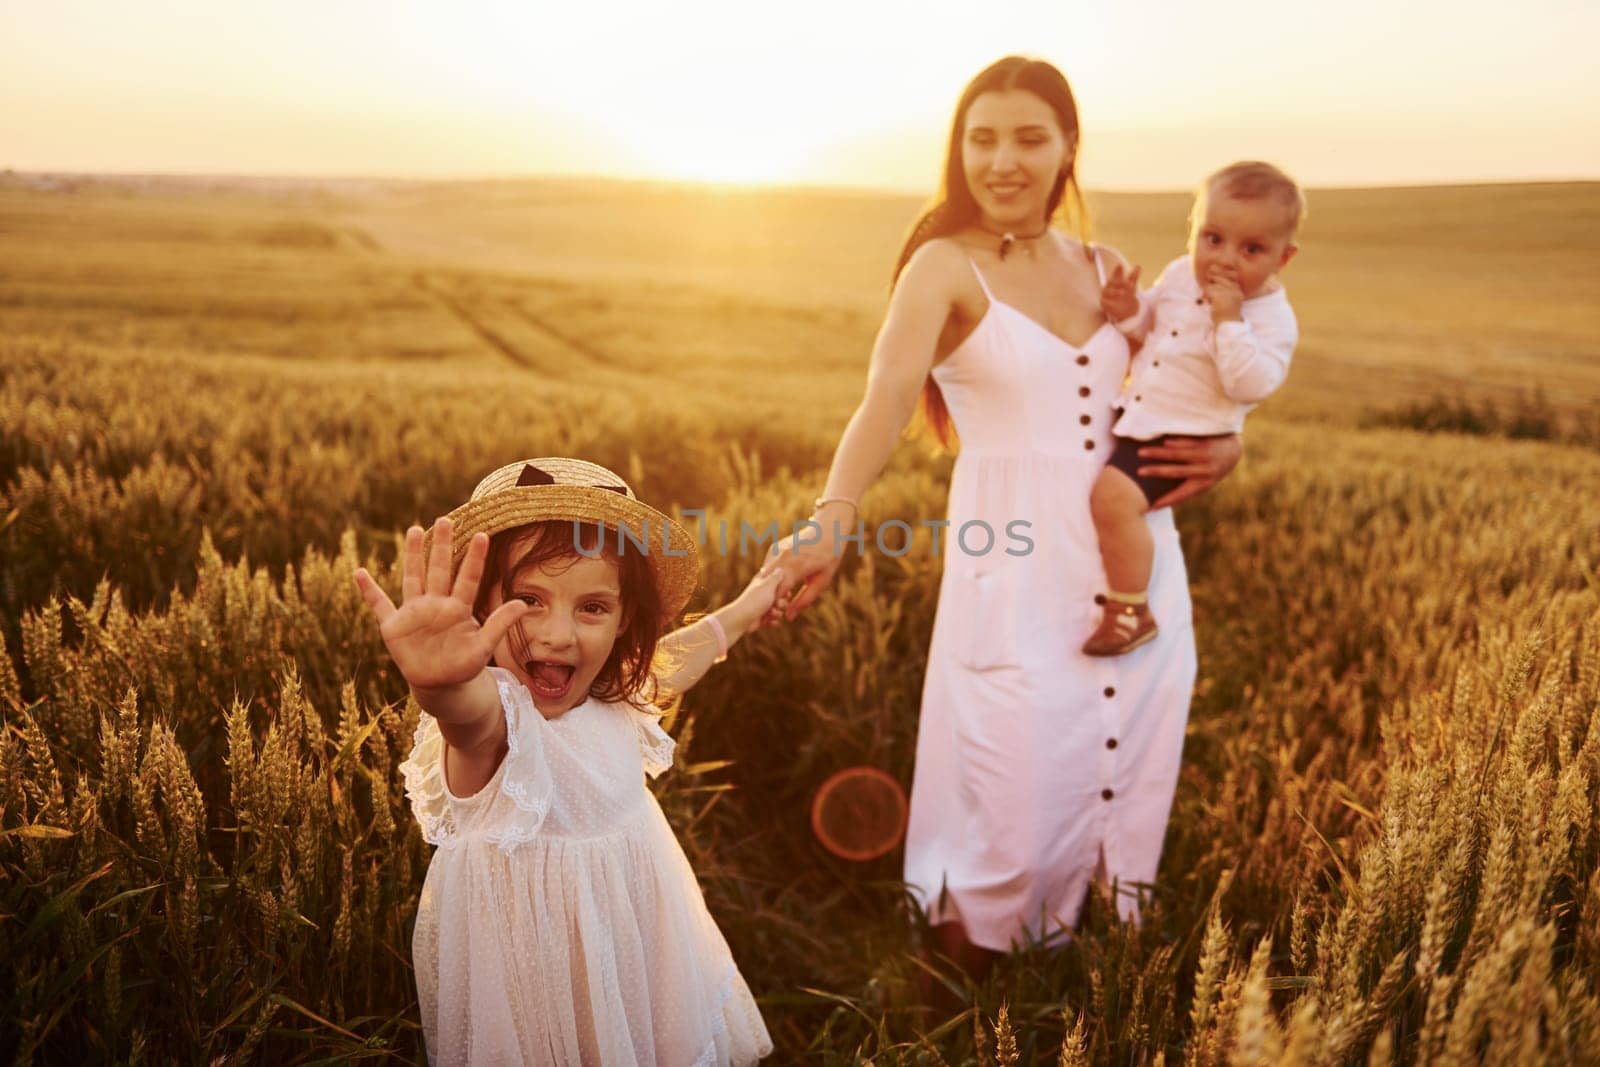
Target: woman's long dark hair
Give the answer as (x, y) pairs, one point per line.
(955, 207)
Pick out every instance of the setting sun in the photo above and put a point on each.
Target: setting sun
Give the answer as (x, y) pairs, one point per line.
(839, 94)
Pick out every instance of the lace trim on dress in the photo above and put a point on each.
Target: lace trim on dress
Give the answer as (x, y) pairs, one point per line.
(424, 775)
(719, 1027)
(524, 775)
(656, 746)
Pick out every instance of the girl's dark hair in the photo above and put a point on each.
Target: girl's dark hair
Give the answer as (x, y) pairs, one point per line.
(955, 207)
(627, 674)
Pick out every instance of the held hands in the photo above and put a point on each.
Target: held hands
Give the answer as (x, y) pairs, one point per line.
(1224, 294)
(1119, 299)
(807, 566)
(746, 611)
(433, 637)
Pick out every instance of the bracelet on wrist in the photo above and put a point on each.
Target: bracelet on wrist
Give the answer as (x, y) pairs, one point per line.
(722, 637)
(823, 501)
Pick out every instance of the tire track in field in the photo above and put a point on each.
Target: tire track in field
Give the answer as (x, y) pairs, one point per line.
(480, 328)
(572, 344)
(363, 240)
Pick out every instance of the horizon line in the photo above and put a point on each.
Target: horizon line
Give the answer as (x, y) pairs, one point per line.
(731, 187)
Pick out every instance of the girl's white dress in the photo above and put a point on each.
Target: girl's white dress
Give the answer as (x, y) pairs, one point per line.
(560, 922)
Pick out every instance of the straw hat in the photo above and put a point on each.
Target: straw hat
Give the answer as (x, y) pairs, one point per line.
(554, 487)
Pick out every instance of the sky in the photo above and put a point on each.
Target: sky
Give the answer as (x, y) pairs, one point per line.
(854, 93)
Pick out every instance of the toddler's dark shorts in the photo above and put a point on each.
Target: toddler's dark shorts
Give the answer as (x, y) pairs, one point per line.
(1125, 457)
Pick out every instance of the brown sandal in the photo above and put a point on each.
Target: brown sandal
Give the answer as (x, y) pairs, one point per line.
(1123, 628)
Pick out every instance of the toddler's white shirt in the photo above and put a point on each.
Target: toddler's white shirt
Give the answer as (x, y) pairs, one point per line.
(1195, 378)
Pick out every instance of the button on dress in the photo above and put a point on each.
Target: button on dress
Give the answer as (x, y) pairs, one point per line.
(560, 922)
(1034, 760)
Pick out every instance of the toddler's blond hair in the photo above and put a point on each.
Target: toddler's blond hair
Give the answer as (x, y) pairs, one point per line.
(1255, 180)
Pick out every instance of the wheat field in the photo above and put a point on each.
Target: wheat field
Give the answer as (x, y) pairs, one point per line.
(220, 398)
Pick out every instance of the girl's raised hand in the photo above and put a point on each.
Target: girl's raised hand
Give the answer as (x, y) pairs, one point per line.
(435, 640)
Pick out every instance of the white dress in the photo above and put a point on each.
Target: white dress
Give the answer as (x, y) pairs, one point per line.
(1033, 759)
(560, 922)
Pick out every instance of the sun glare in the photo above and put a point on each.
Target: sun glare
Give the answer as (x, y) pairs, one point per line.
(703, 121)
(716, 163)
(851, 94)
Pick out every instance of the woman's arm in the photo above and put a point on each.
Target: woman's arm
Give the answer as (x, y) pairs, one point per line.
(902, 356)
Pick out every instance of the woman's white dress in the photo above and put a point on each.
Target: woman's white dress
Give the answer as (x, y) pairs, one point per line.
(560, 922)
(1034, 760)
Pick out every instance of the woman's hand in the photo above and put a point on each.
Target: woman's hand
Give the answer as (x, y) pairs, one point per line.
(805, 564)
(1200, 462)
(433, 637)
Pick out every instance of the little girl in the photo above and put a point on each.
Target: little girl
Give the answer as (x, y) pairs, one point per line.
(560, 922)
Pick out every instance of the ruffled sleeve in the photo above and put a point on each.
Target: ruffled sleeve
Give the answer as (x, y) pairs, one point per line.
(524, 775)
(656, 746)
(423, 771)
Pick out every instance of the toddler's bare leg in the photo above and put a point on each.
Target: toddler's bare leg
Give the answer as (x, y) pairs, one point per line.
(1126, 547)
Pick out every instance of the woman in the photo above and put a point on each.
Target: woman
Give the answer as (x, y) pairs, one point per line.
(1037, 768)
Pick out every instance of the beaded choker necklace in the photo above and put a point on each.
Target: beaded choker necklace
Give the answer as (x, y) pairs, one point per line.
(1009, 238)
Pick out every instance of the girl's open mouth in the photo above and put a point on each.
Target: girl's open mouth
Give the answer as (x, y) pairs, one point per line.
(549, 680)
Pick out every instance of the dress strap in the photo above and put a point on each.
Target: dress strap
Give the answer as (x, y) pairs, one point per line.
(1099, 264)
(987, 294)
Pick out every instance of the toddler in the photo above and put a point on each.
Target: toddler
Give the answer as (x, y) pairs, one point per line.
(1217, 334)
(560, 922)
